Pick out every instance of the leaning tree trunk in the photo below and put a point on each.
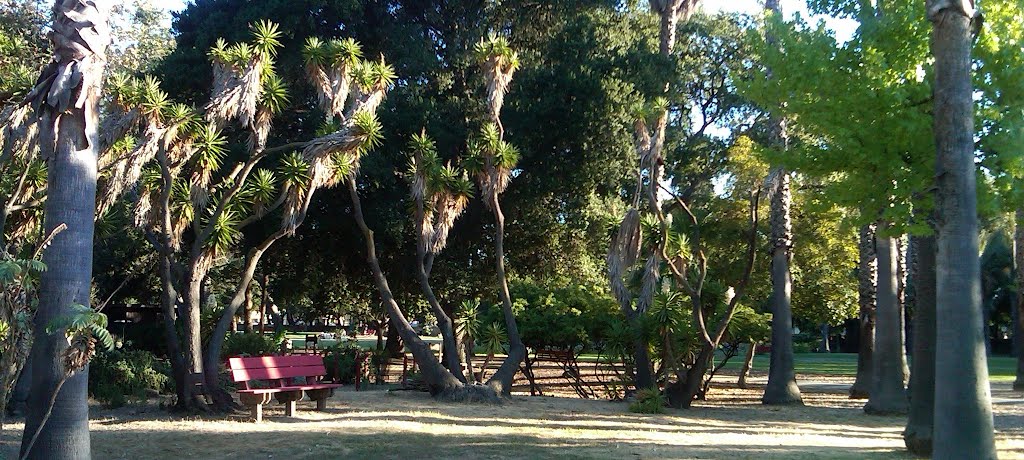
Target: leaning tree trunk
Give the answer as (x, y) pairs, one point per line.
(963, 411)
(223, 400)
(888, 395)
(1018, 256)
(502, 379)
(66, 98)
(440, 382)
(782, 387)
(918, 433)
(748, 364)
(867, 274)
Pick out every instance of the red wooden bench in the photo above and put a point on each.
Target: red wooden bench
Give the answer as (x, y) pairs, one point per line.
(285, 378)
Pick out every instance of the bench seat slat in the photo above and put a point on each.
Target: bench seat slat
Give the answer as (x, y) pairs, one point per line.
(319, 386)
(259, 362)
(275, 373)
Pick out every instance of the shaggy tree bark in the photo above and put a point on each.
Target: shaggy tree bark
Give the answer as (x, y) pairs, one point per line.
(66, 100)
(888, 395)
(867, 274)
(963, 411)
(782, 387)
(1018, 257)
(918, 433)
(901, 302)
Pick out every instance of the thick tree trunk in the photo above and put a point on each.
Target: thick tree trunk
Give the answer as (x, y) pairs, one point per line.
(748, 364)
(1018, 257)
(247, 309)
(68, 119)
(918, 433)
(193, 346)
(867, 274)
(963, 411)
(502, 379)
(688, 385)
(888, 395)
(782, 387)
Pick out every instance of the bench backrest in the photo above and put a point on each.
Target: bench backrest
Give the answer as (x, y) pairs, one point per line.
(277, 368)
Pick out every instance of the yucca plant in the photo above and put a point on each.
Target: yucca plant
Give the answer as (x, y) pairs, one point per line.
(493, 339)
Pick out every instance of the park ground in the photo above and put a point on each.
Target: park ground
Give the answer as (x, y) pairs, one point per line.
(732, 424)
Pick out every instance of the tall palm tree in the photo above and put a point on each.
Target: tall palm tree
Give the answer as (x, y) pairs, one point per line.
(920, 421)
(1018, 257)
(66, 101)
(887, 394)
(963, 410)
(867, 276)
(782, 387)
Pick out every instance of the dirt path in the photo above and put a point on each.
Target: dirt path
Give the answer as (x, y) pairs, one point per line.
(377, 424)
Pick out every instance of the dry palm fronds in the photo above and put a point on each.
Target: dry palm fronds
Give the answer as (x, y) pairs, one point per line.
(649, 278)
(236, 92)
(623, 253)
(449, 207)
(257, 140)
(18, 132)
(116, 124)
(127, 170)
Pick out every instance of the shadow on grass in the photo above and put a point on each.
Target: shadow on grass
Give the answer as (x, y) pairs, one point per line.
(402, 445)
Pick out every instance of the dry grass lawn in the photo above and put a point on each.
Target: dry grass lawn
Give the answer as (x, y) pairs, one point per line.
(377, 424)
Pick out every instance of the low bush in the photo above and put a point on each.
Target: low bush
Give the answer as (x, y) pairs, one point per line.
(340, 361)
(252, 344)
(120, 376)
(648, 401)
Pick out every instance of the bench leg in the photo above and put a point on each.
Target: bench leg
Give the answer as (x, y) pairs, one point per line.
(289, 409)
(257, 412)
(321, 405)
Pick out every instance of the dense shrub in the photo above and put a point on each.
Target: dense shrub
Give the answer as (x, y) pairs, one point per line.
(120, 376)
(648, 401)
(568, 317)
(340, 361)
(252, 344)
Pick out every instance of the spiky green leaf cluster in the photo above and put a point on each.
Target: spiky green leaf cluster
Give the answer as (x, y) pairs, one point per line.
(374, 75)
(293, 171)
(260, 189)
(266, 37)
(225, 232)
(497, 47)
(369, 128)
(275, 94)
(488, 146)
(210, 148)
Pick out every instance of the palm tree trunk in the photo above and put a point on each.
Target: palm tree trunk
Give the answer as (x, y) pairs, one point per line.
(782, 387)
(867, 273)
(888, 395)
(901, 302)
(918, 433)
(68, 122)
(264, 300)
(1018, 257)
(963, 411)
